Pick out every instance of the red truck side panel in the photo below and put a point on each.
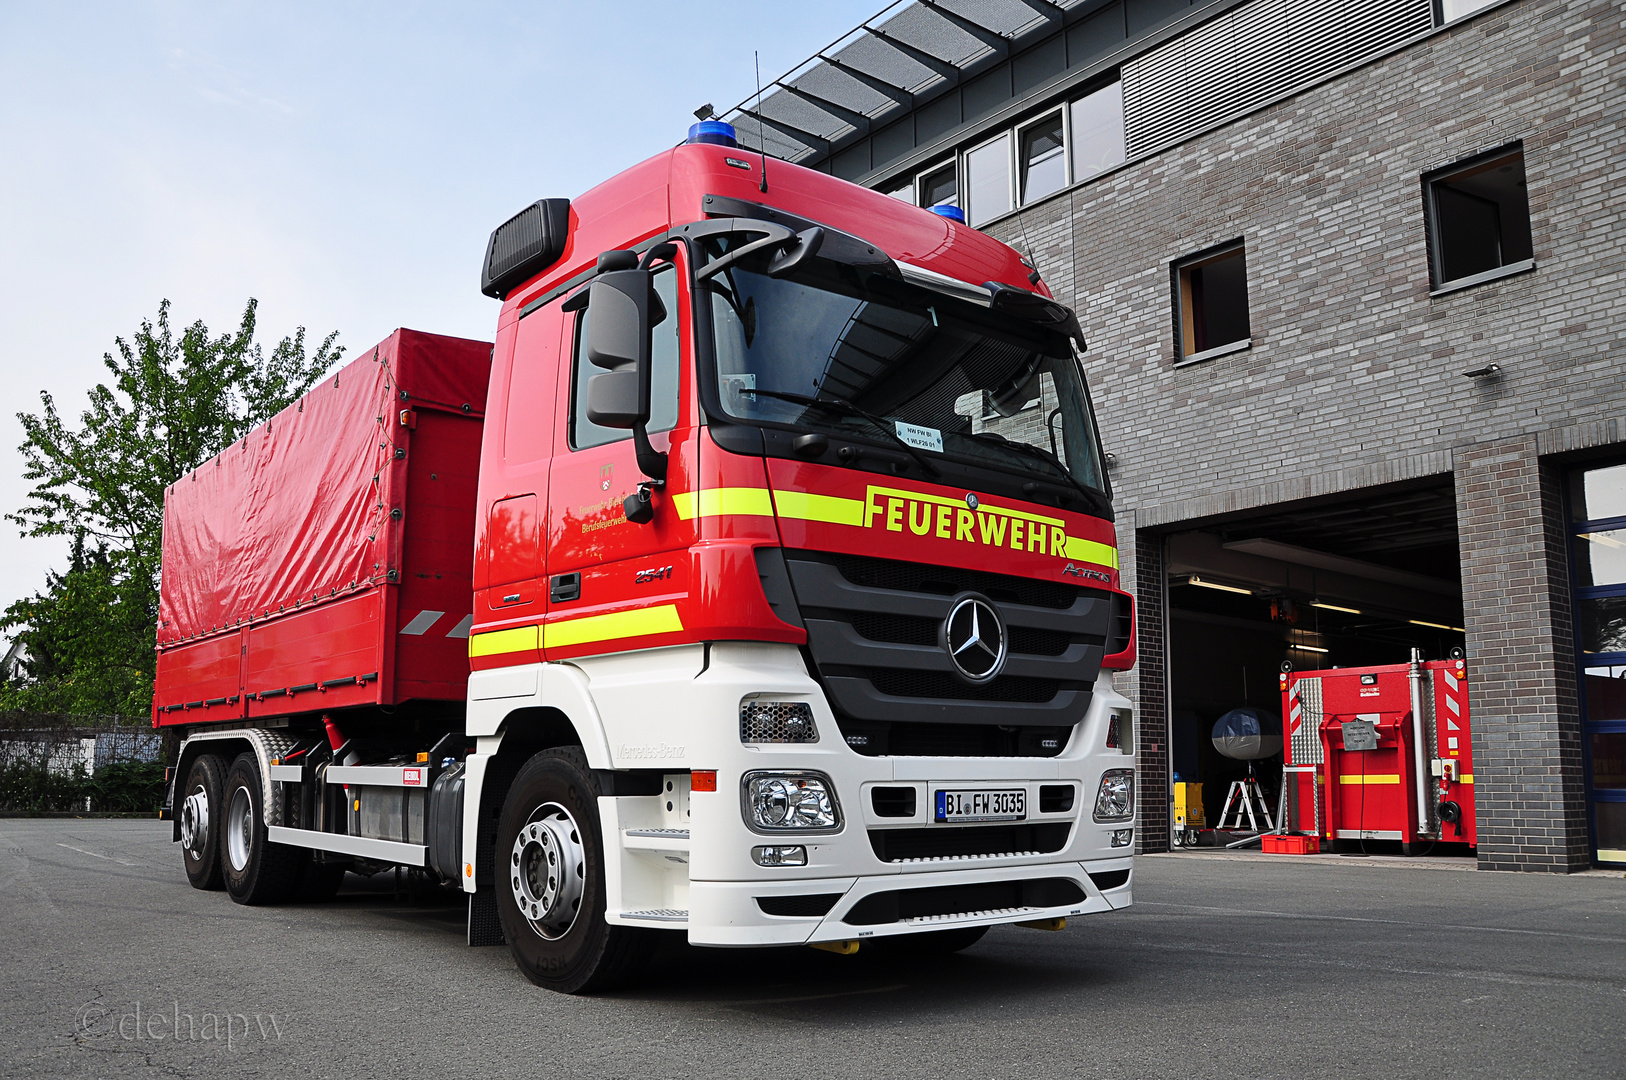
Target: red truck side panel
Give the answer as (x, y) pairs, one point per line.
(307, 549)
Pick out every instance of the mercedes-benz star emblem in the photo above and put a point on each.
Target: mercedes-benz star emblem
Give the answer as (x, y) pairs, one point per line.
(974, 636)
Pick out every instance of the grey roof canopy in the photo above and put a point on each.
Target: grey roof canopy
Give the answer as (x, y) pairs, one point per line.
(909, 53)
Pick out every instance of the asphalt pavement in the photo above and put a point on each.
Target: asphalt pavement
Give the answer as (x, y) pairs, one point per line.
(1227, 966)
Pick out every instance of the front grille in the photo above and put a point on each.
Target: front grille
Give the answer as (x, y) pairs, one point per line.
(898, 629)
(901, 738)
(875, 641)
(1107, 880)
(810, 906)
(949, 580)
(938, 684)
(993, 896)
(968, 841)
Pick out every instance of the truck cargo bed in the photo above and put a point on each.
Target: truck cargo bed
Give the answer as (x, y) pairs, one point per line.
(323, 561)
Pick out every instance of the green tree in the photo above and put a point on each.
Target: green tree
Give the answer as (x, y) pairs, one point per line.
(173, 401)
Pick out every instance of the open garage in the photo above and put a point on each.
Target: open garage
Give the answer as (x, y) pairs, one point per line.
(1351, 582)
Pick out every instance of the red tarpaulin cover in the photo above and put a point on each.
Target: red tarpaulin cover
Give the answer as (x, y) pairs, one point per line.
(298, 510)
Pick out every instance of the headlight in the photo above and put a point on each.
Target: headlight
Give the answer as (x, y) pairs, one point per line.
(777, 722)
(790, 801)
(1116, 799)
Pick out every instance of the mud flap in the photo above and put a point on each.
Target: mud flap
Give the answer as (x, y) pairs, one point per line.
(484, 926)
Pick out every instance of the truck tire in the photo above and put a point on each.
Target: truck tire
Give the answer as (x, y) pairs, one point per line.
(256, 870)
(550, 880)
(199, 812)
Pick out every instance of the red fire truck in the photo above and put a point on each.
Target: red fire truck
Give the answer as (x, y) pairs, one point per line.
(1380, 753)
(760, 584)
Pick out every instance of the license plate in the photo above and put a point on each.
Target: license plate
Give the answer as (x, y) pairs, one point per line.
(982, 804)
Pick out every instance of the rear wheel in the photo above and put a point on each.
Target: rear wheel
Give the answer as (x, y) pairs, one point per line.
(256, 870)
(550, 880)
(199, 815)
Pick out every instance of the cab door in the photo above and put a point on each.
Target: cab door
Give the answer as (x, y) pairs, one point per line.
(613, 584)
(510, 584)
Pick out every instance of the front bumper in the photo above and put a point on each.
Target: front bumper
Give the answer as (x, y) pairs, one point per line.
(728, 913)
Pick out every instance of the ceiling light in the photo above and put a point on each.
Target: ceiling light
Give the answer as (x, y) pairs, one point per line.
(1334, 607)
(1195, 580)
(1436, 626)
(1309, 648)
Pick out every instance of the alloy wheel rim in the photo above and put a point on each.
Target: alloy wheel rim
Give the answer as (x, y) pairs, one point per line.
(547, 871)
(240, 828)
(195, 821)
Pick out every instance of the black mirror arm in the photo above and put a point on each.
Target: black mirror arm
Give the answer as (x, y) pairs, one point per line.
(651, 462)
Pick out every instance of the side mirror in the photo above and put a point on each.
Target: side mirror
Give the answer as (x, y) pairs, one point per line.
(620, 305)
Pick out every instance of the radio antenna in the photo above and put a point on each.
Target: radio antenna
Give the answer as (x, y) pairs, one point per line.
(762, 139)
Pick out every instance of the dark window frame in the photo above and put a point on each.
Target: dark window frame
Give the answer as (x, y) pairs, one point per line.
(1179, 276)
(1439, 285)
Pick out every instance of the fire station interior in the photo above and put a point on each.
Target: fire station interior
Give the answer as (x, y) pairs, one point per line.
(1322, 584)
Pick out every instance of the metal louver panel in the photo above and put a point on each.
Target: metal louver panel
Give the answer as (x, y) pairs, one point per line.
(1247, 57)
(1307, 736)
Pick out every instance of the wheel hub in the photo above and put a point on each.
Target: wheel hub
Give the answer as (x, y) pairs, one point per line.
(195, 820)
(547, 871)
(239, 828)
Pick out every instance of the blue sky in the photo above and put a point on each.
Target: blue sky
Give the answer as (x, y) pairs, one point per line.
(343, 163)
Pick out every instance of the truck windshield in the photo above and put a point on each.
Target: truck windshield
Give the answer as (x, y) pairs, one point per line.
(946, 376)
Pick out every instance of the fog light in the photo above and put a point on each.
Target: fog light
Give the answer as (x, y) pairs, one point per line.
(1120, 837)
(777, 722)
(789, 800)
(1116, 799)
(779, 855)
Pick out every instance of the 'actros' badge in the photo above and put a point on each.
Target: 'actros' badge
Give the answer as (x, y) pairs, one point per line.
(974, 636)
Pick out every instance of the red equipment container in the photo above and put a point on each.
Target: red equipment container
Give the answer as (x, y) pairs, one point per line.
(323, 560)
(1379, 773)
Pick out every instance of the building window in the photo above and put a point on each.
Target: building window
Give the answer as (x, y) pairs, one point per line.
(1043, 159)
(1211, 303)
(988, 181)
(1479, 220)
(1451, 10)
(939, 187)
(1098, 131)
(1597, 511)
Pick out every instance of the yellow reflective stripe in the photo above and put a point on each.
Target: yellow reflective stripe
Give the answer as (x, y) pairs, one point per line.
(1091, 551)
(806, 506)
(503, 641)
(1467, 778)
(617, 624)
(1374, 778)
(712, 502)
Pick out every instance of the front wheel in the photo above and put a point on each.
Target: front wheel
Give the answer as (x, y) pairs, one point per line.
(550, 880)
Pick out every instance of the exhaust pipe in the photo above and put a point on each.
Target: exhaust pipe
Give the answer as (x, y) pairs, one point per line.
(1419, 730)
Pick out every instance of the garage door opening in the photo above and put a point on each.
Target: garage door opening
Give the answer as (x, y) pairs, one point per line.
(1351, 582)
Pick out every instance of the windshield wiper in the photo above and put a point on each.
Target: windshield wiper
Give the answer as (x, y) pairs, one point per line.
(836, 404)
(1039, 452)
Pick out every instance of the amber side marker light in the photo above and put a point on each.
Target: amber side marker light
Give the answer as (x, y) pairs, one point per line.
(703, 780)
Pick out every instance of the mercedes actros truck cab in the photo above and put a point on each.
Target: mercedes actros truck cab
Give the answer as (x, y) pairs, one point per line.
(758, 584)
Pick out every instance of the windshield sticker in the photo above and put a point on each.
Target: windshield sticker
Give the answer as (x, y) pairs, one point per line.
(921, 438)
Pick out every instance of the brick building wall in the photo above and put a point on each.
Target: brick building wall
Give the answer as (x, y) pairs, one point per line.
(1354, 373)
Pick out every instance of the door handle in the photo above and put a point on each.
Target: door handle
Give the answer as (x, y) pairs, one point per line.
(562, 587)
